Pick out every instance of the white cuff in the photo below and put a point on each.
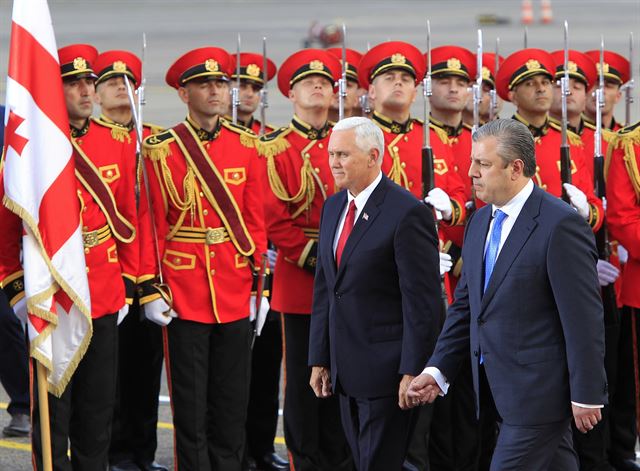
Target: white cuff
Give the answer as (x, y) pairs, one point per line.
(443, 384)
(587, 406)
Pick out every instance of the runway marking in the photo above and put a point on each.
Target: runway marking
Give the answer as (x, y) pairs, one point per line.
(15, 445)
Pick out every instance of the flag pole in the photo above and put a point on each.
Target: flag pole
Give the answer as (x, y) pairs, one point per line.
(43, 407)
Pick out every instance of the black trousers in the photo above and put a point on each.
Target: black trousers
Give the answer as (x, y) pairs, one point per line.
(312, 427)
(264, 401)
(377, 430)
(14, 363)
(209, 367)
(135, 417)
(82, 416)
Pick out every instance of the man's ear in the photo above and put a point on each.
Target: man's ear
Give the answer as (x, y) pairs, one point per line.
(518, 169)
(512, 98)
(183, 93)
(372, 91)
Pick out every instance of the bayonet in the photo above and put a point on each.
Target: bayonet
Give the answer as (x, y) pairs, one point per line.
(342, 83)
(477, 87)
(235, 91)
(264, 97)
(493, 94)
(565, 155)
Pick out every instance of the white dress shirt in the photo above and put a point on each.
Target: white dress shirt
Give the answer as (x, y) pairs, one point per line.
(360, 202)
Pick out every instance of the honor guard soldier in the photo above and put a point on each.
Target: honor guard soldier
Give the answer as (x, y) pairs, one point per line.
(205, 180)
(525, 79)
(251, 83)
(105, 188)
(134, 438)
(351, 104)
(616, 73)
(623, 216)
(300, 180)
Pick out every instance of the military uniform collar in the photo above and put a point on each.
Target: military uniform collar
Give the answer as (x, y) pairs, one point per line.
(249, 124)
(309, 131)
(75, 132)
(203, 134)
(390, 125)
(611, 127)
(579, 129)
(536, 131)
(452, 131)
(128, 127)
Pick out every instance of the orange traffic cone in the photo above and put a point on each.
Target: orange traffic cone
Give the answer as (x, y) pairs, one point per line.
(526, 13)
(547, 14)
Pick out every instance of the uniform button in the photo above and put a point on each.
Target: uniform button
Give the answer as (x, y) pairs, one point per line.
(410, 184)
(307, 155)
(205, 211)
(201, 195)
(317, 170)
(177, 260)
(321, 145)
(212, 254)
(109, 173)
(406, 139)
(87, 269)
(79, 192)
(213, 272)
(79, 141)
(85, 228)
(326, 187)
(395, 148)
(403, 165)
(475, 353)
(86, 250)
(455, 167)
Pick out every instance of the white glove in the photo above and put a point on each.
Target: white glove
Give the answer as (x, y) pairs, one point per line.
(623, 254)
(440, 201)
(159, 312)
(272, 255)
(607, 273)
(122, 313)
(578, 200)
(445, 263)
(262, 314)
(20, 310)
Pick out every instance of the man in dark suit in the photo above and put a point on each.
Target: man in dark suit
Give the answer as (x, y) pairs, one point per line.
(527, 308)
(376, 297)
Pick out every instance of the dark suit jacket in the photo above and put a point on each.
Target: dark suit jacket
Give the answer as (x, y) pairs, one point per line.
(539, 325)
(375, 318)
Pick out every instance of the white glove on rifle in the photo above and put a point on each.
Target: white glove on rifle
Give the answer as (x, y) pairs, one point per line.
(272, 255)
(262, 314)
(440, 201)
(20, 310)
(159, 312)
(623, 254)
(607, 273)
(122, 313)
(445, 263)
(578, 199)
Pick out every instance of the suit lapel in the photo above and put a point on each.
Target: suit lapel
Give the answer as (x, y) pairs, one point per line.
(524, 226)
(365, 220)
(475, 262)
(332, 220)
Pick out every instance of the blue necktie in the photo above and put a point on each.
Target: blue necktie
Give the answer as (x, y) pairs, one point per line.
(492, 250)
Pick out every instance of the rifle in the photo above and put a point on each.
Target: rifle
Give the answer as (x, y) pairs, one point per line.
(428, 175)
(364, 104)
(136, 112)
(235, 91)
(493, 94)
(565, 154)
(628, 87)
(342, 83)
(477, 87)
(264, 98)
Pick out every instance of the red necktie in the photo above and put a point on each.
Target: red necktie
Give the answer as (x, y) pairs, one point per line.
(346, 230)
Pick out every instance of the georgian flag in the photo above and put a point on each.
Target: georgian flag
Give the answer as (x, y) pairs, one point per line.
(40, 187)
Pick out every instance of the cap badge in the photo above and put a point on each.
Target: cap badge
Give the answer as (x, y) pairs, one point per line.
(454, 64)
(572, 66)
(606, 67)
(316, 65)
(398, 59)
(211, 65)
(253, 70)
(119, 66)
(532, 64)
(486, 74)
(79, 63)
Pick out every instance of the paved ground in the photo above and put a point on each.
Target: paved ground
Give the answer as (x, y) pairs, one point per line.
(175, 27)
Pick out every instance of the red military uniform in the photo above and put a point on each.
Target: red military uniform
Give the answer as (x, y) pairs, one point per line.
(623, 211)
(200, 260)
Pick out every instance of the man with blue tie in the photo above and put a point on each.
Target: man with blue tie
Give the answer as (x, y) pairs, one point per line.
(375, 299)
(527, 309)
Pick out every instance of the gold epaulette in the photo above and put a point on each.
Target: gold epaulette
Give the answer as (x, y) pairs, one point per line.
(119, 132)
(572, 137)
(331, 123)
(626, 139)
(153, 128)
(156, 146)
(247, 136)
(273, 143)
(588, 125)
(441, 133)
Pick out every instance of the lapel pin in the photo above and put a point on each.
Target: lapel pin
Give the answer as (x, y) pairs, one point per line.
(365, 216)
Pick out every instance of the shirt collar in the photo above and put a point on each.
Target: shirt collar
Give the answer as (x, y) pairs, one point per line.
(128, 127)
(309, 131)
(452, 131)
(536, 131)
(363, 196)
(75, 132)
(203, 134)
(390, 125)
(515, 204)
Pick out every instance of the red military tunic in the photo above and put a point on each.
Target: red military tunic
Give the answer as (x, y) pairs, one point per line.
(255, 124)
(548, 139)
(300, 180)
(209, 277)
(623, 210)
(110, 256)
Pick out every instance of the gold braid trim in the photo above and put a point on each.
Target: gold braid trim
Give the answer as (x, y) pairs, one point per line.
(307, 188)
(247, 140)
(397, 173)
(441, 133)
(273, 143)
(157, 152)
(120, 134)
(189, 189)
(631, 163)
(574, 139)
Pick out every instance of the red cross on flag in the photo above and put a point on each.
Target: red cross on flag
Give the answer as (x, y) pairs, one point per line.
(38, 186)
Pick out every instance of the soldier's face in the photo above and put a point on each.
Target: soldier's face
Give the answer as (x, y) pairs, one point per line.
(450, 93)
(112, 93)
(612, 96)
(395, 90)
(249, 97)
(351, 100)
(534, 95)
(206, 97)
(575, 101)
(78, 95)
(352, 167)
(312, 92)
(493, 179)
